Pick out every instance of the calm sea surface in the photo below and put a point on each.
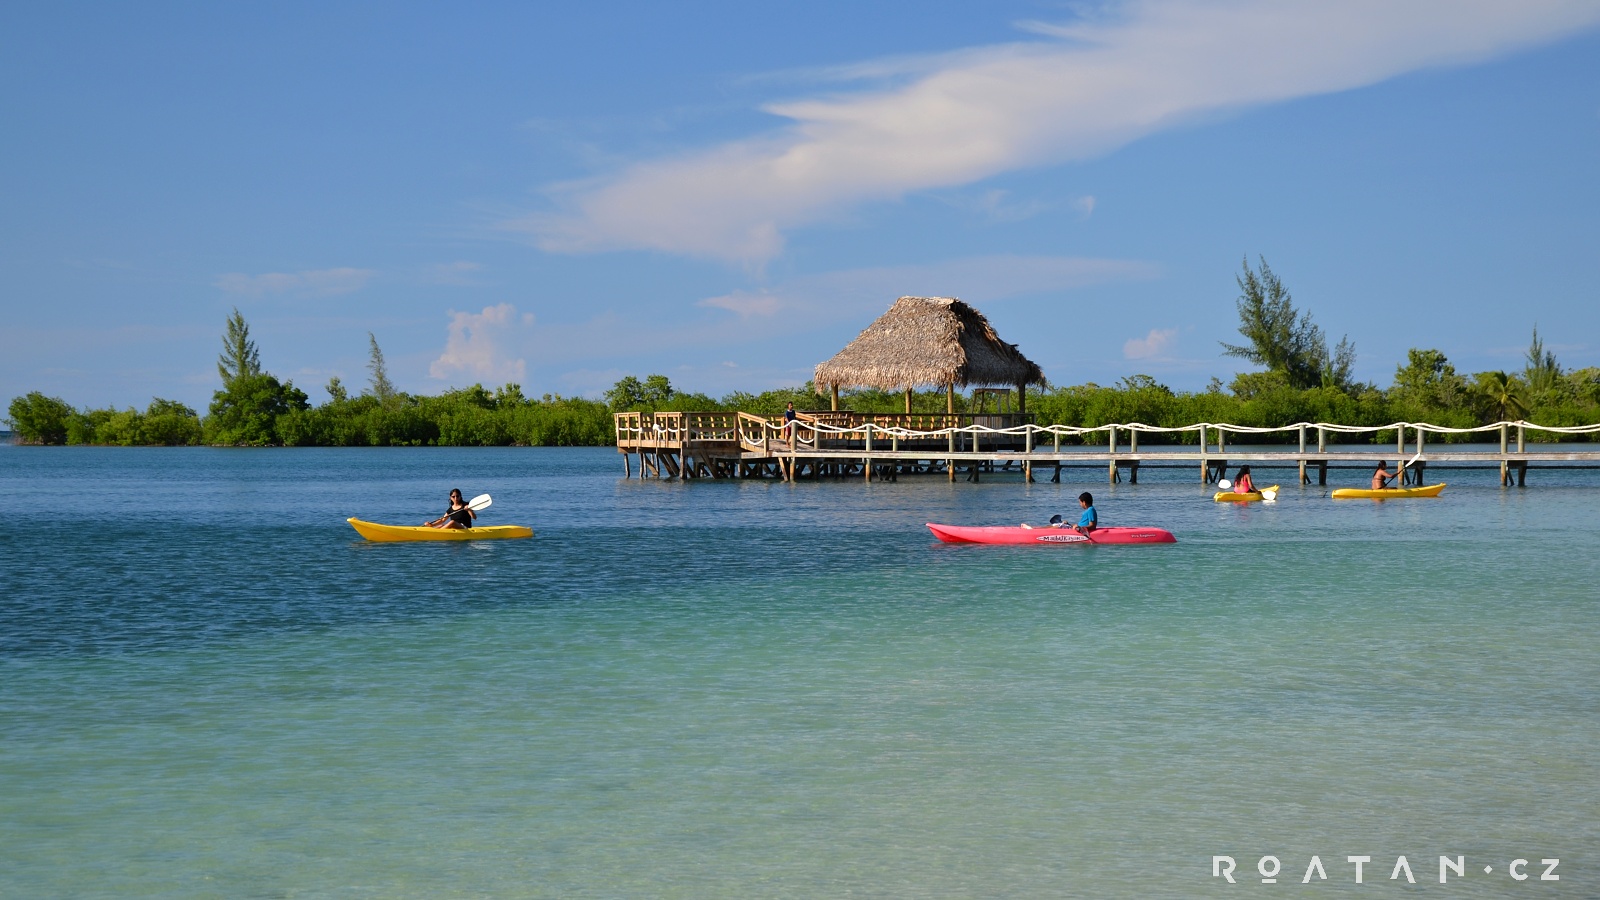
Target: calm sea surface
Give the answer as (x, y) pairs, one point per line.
(210, 687)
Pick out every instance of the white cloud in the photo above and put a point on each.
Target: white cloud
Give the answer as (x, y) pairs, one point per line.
(319, 283)
(476, 345)
(1154, 346)
(1081, 91)
(1084, 205)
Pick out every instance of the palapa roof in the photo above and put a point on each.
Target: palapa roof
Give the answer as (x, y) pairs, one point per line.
(928, 341)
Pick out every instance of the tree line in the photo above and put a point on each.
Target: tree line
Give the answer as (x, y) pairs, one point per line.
(253, 408)
(1302, 379)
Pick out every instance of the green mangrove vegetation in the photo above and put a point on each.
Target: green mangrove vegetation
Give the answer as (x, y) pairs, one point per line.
(1300, 380)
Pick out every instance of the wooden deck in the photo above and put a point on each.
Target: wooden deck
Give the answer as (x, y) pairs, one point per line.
(843, 444)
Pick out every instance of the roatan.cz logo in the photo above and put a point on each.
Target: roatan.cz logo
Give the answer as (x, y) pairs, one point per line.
(1269, 868)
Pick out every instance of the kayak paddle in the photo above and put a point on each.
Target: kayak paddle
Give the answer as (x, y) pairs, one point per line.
(1403, 466)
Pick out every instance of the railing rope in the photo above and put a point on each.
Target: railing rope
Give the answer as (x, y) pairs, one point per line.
(725, 426)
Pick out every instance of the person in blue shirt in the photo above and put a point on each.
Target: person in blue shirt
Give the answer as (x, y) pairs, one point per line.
(1090, 520)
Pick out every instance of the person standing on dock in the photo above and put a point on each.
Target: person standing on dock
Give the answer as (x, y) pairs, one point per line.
(789, 417)
(1090, 520)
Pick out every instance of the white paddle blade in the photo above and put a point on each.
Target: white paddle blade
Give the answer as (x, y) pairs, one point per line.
(1269, 495)
(481, 501)
(1224, 484)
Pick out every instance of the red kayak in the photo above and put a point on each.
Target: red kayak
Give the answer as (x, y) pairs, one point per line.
(1013, 534)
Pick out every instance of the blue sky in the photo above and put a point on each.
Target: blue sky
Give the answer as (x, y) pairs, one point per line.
(727, 193)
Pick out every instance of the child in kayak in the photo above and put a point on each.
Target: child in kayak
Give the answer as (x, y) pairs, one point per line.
(1243, 484)
(460, 515)
(1090, 520)
(1087, 523)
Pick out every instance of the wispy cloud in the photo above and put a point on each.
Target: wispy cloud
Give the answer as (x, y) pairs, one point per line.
(1157, 345)
(851, 293)
(477, 345)
(744, 303)
(461, 273)
(997, 205)
(320, 282)
(1079, 91)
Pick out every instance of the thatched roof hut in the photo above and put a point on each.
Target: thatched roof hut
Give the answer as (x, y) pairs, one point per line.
(936, 341)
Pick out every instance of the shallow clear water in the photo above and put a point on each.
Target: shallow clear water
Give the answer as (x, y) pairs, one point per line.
(209, 686)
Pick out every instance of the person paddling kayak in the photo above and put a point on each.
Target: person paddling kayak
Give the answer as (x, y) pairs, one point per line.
(460, 515)
(1243, 483)
(1380, 477)
(1090, 520)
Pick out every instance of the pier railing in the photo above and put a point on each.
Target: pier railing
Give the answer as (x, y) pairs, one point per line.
(666, 429)
(867, 429)
(722, 442)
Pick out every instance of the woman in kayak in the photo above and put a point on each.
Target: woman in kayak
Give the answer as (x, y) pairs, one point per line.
(1090, 520)
(1380, 477)
(1243, 484)
(460, 515)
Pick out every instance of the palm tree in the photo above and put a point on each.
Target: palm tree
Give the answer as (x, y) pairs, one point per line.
(1504, 395)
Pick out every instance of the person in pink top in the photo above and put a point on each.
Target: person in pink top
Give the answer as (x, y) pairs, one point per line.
(1244, 484)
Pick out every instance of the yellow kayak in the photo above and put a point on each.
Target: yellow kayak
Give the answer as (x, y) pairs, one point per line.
(372, 531)
(1427, 490)
(1231, 497)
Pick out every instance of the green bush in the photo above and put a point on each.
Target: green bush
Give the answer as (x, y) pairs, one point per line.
(37, 419)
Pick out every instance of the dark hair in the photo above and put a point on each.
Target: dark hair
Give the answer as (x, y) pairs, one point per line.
(1382, 464)
(1244, 470)
(1086, 497)
(455, 492)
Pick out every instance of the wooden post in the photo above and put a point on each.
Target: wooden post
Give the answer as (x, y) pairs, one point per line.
(1505, 465)
(866, 462)
(1302, 453)
(627, 468)
(908, 401)
(950, 398)
(1522, 434)
(1204, 470)
(1027, 453)
(1400, 442)
(1222, 450)
(1112, 462)
(836, 398)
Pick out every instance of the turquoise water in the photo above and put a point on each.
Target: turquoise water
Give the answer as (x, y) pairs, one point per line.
(213, 688)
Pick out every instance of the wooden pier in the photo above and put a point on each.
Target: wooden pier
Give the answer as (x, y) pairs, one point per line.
(718, 445)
